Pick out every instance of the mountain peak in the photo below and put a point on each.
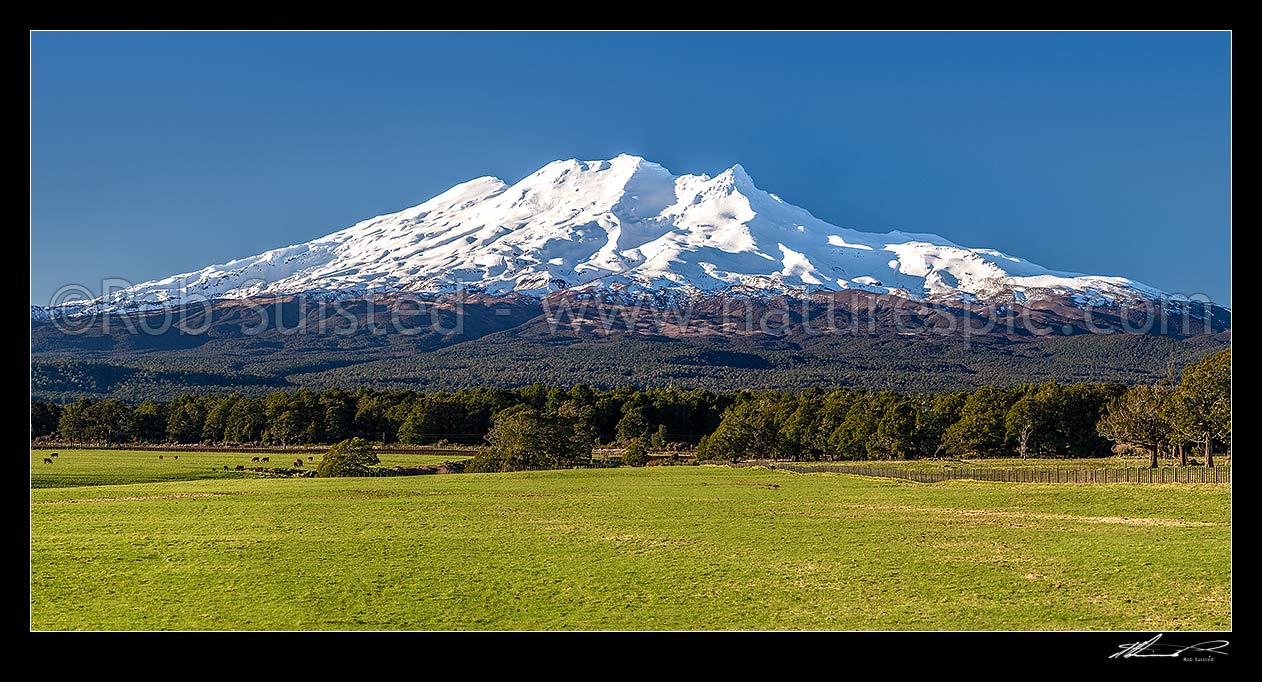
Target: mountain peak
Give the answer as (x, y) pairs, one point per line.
(738, 178)
(737, 171)
(631, 159)
(624, 224)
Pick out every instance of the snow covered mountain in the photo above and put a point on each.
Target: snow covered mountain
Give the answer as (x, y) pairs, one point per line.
(625, 226)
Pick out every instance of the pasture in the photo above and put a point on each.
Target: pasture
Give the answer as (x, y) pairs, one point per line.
(116, 467)
(650, 548)
(1115, 462)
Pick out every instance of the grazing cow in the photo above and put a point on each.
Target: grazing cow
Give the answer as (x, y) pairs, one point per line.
(254, 459)
(298, 463)
(47, 460)
(225, 467)
(267, 459)
(240, 467)
(159, 456)
(259, 469)
(311, 459)
(53, 455)
(176, 457)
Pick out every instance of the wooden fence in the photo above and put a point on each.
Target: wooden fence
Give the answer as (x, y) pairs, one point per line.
(1220, 474)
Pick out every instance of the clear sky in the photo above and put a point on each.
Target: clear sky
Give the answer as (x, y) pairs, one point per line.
(1103, 153)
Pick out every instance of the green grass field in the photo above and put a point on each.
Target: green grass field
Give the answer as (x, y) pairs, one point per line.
(656, 548)
(116, 467)
(1016, 463)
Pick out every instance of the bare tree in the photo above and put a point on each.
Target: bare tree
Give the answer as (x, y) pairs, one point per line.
(1023, 439)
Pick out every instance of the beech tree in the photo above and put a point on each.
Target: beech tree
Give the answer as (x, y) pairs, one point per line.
(73, 424)
(522, 438)
(1140, 417)
(635, 454)
(634, 423)
(980, 430)
(1200, 408)
(351, 457)
(44, 418)
(749, 429)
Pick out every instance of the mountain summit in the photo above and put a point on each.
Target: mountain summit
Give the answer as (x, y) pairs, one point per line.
(624, 225)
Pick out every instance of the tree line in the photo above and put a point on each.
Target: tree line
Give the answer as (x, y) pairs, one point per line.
(305, 416)
(539, 425)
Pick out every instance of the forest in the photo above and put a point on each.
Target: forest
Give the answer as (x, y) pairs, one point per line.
(905, 364)
(1034, 420)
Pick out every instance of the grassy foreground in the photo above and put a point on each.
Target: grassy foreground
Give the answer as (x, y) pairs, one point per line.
(658, 548)
(116, 467)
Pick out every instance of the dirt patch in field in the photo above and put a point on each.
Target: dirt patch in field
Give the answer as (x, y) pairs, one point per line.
(140, 498)
(994, 514)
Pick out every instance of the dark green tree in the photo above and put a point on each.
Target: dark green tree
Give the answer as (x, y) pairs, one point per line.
(44, 418)
(635, 454)
(850, 439)
(339, 414)
(107, 422)
(981, 430)
(351, 457)
(147, 423)
(73, 425)
(1140, 417)
(749, 429)
(218, 412)
(423, 425)
(247, 421)
(634, 423)
(659, 440)
(1200, 409)
(895, 434)
(186, 419)
(802, 434)
(522, 439)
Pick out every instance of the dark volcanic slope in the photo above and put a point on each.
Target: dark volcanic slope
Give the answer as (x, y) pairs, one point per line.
(875, 342)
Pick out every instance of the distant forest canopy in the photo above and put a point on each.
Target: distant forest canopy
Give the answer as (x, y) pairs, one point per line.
(1046, 420)
(903, 364)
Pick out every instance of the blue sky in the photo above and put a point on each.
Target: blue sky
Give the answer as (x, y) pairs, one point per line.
(1104, 153)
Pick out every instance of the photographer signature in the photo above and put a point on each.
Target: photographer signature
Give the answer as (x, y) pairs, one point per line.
(1153, 649)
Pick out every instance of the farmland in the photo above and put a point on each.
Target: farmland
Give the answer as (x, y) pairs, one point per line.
(649, 548)
(116, 467)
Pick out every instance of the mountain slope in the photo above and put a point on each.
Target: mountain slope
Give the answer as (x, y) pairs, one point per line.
(625, 226)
